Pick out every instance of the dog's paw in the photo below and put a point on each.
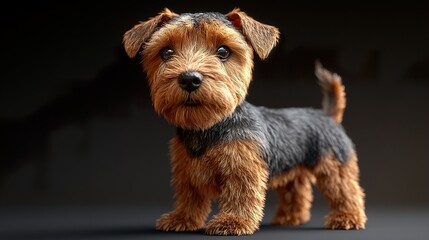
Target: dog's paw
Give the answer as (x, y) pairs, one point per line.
(228, 224)
(177, 222)
(346, 221)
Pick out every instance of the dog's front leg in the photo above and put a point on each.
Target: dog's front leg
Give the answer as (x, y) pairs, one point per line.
(242, 185)
(193, 194)
(190, 213)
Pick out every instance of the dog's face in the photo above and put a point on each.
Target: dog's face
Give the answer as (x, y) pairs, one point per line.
(199, 66)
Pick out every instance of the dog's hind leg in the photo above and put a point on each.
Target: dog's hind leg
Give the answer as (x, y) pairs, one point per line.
(295, 192)
(339, 182)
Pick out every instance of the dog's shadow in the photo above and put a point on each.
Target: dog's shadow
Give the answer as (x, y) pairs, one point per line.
(271, 228)
(143, 232)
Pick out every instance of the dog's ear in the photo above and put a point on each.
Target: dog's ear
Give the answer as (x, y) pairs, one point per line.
(262, 37)
(135, 37)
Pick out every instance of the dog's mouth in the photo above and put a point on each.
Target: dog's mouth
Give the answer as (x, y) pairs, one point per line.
(191, 103)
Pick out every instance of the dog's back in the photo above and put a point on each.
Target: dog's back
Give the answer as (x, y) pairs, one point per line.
(301, 136)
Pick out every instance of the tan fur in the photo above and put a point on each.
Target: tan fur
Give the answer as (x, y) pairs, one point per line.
(339, 182)
(234, 173)
(221, 91)
(295, 192)
(194, 190)
(261, 36)
(334, 95)
(228, 83)
(135, 37)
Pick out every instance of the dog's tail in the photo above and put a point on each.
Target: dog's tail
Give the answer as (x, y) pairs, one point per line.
(334, 96)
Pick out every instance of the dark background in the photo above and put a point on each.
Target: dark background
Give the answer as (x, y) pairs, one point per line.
(77, 126)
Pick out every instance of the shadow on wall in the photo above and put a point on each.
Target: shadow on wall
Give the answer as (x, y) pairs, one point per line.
(26, 140)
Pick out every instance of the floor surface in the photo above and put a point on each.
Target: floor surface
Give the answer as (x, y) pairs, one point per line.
(120, 222)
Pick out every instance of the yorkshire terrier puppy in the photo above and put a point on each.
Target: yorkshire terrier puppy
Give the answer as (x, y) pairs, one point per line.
(199, 66)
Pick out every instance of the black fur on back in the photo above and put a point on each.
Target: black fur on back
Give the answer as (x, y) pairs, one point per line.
(286, 137)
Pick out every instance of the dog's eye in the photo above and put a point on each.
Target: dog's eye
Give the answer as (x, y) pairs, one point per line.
(223, 53)
(167, 53)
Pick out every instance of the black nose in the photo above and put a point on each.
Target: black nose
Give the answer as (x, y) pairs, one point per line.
(190, 81)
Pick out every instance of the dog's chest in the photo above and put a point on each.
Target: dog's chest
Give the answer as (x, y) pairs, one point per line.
(241, 125)
(197, 142)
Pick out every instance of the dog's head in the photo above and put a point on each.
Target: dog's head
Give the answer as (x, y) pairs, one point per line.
(199, 66)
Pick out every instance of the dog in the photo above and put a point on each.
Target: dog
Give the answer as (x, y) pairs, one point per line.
(199, 67)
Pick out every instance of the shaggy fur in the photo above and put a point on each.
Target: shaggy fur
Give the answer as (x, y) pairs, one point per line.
(230, 150)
